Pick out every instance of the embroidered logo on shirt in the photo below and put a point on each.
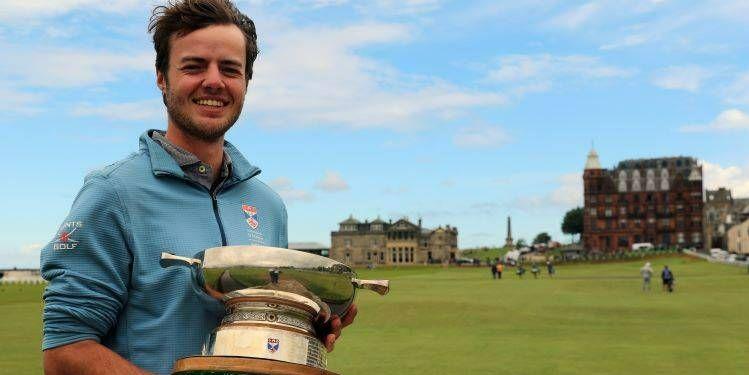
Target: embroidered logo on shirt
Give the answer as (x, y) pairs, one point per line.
(251, 213)
(64, 238)
(273, 344)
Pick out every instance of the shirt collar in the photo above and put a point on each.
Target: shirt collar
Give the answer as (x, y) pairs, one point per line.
(162, 162)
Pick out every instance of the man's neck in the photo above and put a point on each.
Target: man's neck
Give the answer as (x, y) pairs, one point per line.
(211, 153)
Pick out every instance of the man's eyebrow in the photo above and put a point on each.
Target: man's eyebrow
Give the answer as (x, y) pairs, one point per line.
(231, 62)
(192, 59)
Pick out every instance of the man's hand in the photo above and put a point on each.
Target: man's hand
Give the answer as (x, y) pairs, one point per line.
(331, 331)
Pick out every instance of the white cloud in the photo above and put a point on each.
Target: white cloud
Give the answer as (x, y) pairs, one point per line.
(567, 194)
(403, 7)
(480, 136)
(577, 17)
(15, 10)
(138, 111)
(732, 177)
(19, 101)
(728, 120)
(326, 83)
(331, 182)
(631, 40)
(738, 91)
(67, 67)
(32, 248)
(688, 77)
(534, 73)
(285, 188)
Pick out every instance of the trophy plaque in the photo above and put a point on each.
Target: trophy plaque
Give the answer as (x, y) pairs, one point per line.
(274, 300)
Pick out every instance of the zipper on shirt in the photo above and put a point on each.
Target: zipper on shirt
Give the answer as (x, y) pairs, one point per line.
(218, 218)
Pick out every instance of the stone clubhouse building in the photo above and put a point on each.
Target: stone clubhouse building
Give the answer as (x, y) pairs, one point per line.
(392, 243)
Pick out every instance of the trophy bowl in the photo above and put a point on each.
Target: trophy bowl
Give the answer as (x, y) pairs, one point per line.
(274, 298)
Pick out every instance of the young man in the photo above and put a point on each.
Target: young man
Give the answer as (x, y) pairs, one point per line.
(668, 279)
(110, 307)
(646, 272)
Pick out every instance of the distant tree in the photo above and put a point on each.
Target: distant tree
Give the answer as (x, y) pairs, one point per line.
(572, 223)
(520, 243)
(542, 237)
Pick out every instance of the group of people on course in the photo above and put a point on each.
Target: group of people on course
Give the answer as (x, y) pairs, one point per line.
(497, 267)
(667, 278)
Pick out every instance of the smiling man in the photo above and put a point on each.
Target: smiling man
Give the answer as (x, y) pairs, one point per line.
(110, 308)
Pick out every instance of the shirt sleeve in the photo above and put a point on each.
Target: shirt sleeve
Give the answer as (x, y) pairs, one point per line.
(87, 265)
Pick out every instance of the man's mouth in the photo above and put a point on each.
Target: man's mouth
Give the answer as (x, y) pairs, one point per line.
(209, 102)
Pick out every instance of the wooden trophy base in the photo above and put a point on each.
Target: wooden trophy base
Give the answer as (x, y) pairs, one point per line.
(217, 365)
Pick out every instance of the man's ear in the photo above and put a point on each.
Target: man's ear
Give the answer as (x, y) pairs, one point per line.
(161, 81)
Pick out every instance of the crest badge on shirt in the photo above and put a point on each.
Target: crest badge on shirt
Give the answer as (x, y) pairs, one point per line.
(251, 213)
(65, 237)
(252, 219)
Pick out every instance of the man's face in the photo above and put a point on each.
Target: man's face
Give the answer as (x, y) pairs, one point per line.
(205, 84)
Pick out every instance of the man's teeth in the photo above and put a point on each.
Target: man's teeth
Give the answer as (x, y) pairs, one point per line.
(212, 103)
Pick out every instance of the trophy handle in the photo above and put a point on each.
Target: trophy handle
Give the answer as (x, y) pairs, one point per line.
(381, 287)
(169, 260)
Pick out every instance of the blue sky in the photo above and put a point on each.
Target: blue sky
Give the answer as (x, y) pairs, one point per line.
(459, 112)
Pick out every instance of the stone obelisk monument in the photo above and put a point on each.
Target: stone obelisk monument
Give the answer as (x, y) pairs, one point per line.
(508, 241)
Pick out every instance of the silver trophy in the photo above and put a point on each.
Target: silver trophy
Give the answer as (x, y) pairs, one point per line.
(274, 299)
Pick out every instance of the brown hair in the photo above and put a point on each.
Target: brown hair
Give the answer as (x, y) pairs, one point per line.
(181, 17)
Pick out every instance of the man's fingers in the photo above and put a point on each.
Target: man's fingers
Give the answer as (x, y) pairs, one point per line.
(330, 342)
(350, 315)
(335, 326)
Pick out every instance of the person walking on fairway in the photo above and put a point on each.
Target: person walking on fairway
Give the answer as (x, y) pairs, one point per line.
(520, 271)
(647, 272)
(493, 267)
(668, 279)
(500, 268)
(550, 268)
(535, 270)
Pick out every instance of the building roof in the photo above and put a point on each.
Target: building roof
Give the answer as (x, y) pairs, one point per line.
(350, 220)
(592, 162)
(378, 221)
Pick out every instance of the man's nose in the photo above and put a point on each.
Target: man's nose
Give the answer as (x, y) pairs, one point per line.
(213, 79)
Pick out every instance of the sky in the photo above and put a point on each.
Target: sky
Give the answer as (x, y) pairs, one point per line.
(461, 113)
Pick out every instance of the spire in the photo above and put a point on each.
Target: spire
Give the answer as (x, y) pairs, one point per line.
(508, 240)
(592, 162)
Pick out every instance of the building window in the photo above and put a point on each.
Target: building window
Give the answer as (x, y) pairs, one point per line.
(607, 199)
(696, 237)
(593, 199)
(608, 212)
(622, 210)
(369, 255)
(623, 224)
(382, 256)
(593, 212)
(347, 242)
(680, 237)
(623, 241)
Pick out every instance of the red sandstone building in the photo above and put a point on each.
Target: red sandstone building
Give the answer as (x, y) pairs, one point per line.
(642, 200)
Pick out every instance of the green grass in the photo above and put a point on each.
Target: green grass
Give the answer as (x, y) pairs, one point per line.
(20, 328)
(590, 319)
(483, 253)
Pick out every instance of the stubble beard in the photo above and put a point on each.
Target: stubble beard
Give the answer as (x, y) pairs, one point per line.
(186, 124)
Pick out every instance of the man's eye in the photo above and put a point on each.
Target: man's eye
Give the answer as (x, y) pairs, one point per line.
(190, 67)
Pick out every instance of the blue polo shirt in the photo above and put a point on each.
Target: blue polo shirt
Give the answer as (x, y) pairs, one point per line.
(105, 280)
